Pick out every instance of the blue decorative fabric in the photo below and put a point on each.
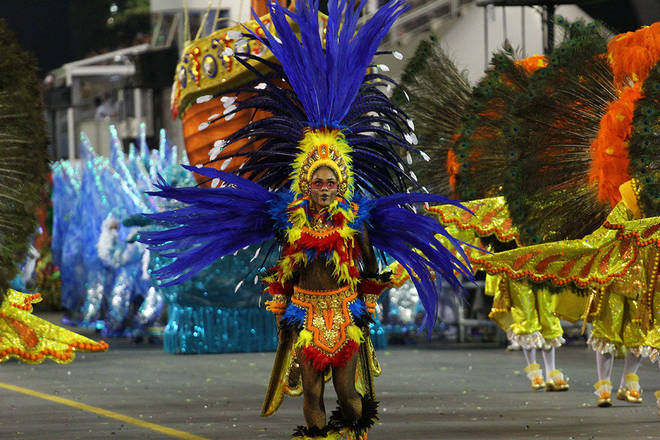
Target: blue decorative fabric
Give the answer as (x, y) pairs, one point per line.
(207, 329)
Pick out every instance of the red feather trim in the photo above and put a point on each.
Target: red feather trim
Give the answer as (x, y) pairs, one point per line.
(320, 361)
(371, 287)
(276, 288)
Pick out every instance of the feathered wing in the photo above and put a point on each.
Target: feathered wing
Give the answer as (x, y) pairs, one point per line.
(216, 222)
(436, 95)
(23, 155)
(410, 239)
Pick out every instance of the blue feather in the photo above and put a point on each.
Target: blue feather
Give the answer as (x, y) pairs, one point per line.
(410, 239)
(294, 316)
(217, 222)
(358, 309)
(327, 81)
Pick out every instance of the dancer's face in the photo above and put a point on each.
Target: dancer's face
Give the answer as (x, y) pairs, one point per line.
(324, 187)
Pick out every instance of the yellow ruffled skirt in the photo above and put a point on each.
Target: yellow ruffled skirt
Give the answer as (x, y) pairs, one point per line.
(31, 339)
(526, 312)
(616, 324)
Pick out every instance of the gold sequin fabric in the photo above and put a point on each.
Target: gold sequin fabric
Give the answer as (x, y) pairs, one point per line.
(31, 339)
(328, 316)
(525, 312)
(597, 259)
(491, 217)
(616, 323)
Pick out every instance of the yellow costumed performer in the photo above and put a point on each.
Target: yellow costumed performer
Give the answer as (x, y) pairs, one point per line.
(463, 129)
(576, 176)
(23, 168)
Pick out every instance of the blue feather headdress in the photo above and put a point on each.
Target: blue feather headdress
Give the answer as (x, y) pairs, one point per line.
(323, 83)
(329, 84)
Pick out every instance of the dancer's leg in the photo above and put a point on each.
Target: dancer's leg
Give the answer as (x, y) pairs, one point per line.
(549, 361)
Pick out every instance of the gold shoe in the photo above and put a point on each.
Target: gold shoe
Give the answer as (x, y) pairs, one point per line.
(631, 392)
(605, 400)
(535, 377)
(557, 382)
(604, 393)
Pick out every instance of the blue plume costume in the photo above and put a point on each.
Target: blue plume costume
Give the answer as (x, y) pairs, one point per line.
(326, 110)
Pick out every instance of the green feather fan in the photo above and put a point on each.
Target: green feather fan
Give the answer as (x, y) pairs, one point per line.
(439, 94)
(546, 179)
(481, 147)
(23, 162)
(644, 145)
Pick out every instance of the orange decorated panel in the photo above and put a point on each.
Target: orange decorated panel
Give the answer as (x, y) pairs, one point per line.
(200, 142)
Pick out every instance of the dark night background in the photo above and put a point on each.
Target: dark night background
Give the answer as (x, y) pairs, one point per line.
(60, 31)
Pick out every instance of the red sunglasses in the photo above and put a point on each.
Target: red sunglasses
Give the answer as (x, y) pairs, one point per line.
(320, 184)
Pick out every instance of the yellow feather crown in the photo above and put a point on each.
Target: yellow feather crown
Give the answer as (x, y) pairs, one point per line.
(323, 148)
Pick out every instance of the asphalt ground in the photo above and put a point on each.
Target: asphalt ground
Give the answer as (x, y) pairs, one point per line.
(439, 392)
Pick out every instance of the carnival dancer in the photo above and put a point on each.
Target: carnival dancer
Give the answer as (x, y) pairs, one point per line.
(330, 141)
(614, 261)
(635, 59)
(440, 99)
(580, 162)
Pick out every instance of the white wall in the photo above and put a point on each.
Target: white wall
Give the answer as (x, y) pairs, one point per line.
(464, 40)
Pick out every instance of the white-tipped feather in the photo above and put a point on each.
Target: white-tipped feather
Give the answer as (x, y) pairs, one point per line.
(411, 124)
(204, 98)
(215, 151)
(228, 112)
(238, 286)
(225, 164)
(215, 182)
(261, 86)
(398, 55)
(425, 156)
(256, 254)
(408, 157)
(202, 126)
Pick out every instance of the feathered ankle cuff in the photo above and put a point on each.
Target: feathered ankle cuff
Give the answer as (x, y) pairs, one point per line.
(356, 429)
(314, 433)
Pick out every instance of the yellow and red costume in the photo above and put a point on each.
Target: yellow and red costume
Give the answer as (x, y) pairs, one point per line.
(30, 339)
(329, 321)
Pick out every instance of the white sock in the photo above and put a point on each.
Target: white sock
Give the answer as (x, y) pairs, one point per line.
(604, 364)
(630, 366)
(549, 361)
(530, 355)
